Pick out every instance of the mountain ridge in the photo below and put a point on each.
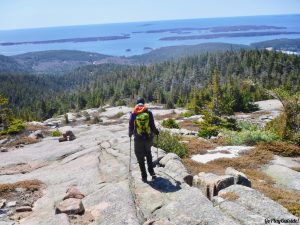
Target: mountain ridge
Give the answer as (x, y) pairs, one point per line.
(61, 61)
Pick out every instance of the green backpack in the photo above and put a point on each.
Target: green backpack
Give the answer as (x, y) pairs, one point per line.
(142, 124)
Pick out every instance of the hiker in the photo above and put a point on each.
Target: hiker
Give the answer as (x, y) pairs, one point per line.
(142, 126)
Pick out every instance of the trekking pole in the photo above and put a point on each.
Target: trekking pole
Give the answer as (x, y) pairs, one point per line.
(130, 157)
(157, 149)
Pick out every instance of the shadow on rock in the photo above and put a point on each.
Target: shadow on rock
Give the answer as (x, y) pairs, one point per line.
(163, 185)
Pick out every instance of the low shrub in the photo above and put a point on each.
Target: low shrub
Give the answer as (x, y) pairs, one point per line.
(245, 125)
(171, 143)
(288, 123)
(170, 123)
(212, 125)
(208, 130)
(187, 114)
(15, 127)
(248, 137)
(56, 133)
(170, 105)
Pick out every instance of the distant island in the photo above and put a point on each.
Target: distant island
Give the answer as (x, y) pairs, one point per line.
(147, 49)
(146, 24)
(87, 39)
(214, 29)
(220, 35)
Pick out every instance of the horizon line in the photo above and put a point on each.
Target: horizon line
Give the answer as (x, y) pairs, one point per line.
(145, 21)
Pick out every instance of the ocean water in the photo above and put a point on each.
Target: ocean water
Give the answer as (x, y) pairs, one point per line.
(140, 39)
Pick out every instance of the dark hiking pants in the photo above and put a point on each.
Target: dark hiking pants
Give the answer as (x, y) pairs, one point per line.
(142, 149)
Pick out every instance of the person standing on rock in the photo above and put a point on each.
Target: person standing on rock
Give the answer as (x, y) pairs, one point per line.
(142, 126)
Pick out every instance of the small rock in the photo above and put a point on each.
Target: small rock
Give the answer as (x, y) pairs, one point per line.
(70, 206)
(35, 123)
(10, 213)
(68, 136)
(20, 189)
(24, 209)
(169, 156)
(3, 150)
(105, 144)
(4, 141)
(210, 184)
(2, 203)
(62, 139)
(11, 204)
(188, 179)
(73, 192)
(217, 200)
(52, 124)
(2, 212)
(19, 146)
(36, 134)
(239, 177)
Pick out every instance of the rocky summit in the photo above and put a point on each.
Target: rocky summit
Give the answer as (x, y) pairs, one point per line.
(87, 181)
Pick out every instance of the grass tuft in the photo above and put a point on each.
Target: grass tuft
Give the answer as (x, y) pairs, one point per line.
(189, 125)
(56, 133)
(198, 145)
(251, 159)
(296, 168)
(26, 184)
(263, 183)
(230, 196)
(23, 141)
(280, 148)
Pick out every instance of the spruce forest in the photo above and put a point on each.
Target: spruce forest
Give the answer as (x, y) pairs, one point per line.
(241, 76)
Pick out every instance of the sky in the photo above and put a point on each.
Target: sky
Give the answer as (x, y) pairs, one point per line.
(20, 14)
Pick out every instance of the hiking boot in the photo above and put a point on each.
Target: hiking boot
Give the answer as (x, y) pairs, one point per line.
(154, 177)
(188, 179)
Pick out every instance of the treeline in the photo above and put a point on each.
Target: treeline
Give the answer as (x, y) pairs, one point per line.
(242, 77)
